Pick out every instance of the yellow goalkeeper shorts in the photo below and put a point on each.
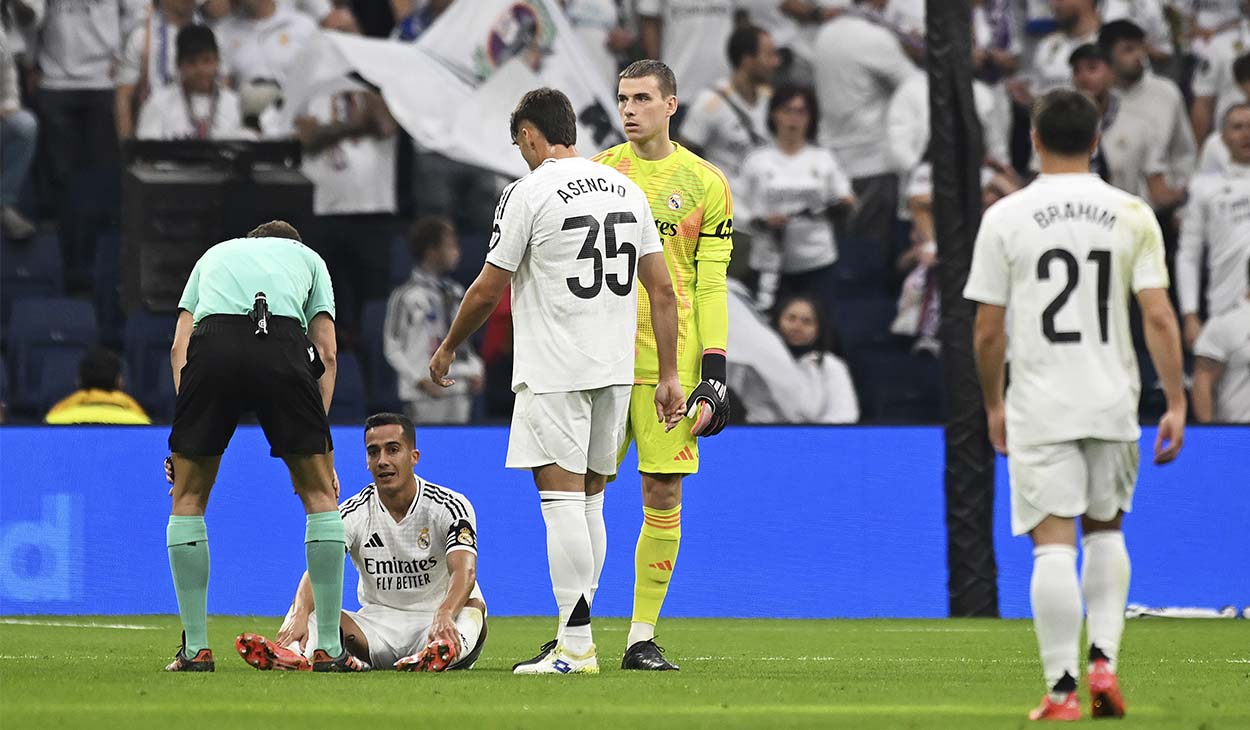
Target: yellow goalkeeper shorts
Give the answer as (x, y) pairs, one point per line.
(659, 452)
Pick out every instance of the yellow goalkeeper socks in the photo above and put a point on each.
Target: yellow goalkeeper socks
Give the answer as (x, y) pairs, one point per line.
(654, 559)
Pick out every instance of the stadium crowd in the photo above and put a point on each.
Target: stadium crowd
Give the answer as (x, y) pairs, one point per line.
(815, 110)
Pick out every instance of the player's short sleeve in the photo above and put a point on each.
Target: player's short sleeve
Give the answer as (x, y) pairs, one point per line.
(989, 280)
(191, 292)
(650, 242)
(321, 294)
(717, 228)
(510, 235)
(1213, 342)
(462, 532)
(1150, 269)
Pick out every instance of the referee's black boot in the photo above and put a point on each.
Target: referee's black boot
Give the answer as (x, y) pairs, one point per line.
(646, 655)
(201, 662)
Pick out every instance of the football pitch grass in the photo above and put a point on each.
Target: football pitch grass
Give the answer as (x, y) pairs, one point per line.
(104, 672)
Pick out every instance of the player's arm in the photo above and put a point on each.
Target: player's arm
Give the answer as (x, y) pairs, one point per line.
(670, 401)
(462, 569)
(990, 344)
(182, 339)
(1164, 343)
(295, 626)
(709, 402)
(1207, 372)
(321, 333)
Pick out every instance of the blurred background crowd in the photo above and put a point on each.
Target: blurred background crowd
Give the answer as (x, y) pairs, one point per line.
(816, 111)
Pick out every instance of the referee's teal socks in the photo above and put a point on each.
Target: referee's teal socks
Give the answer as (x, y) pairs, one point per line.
(325, 542)
(186, 539)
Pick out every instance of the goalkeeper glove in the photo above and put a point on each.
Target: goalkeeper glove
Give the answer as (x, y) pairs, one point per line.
(708, 405)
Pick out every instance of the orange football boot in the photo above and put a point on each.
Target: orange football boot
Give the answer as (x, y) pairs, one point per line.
(266, 655)
(1105, 699)
(1069, 709)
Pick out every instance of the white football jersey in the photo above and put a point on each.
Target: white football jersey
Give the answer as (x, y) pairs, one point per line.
(1226, 340)
(1063, 256)
(1217, 221)
(572, 232)
(403, 564)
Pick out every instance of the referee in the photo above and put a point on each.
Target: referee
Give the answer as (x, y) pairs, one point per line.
(255, 334)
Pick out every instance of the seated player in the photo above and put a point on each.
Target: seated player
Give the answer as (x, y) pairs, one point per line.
(415, 546)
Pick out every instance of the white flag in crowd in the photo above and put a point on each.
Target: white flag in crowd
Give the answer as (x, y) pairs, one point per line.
(454, 89)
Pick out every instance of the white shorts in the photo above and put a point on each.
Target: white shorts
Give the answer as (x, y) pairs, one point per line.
(580, 431)
(1069, 479)
(394, 633)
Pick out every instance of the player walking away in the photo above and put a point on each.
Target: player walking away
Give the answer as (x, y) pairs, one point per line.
(415, 546)
(694, 215)
(255, 334)
(569, 237)
(1060, 259)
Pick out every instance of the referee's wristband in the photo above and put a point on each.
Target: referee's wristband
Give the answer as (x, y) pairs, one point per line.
(713, 365)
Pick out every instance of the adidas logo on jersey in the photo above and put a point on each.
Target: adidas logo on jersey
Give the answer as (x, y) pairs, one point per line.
(374, 541)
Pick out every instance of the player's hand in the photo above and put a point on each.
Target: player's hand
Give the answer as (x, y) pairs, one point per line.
(444, 629)
(440, 364)
(670, 402)
(294, 628)
(996, 418)
(1171, 436)
(708, 405)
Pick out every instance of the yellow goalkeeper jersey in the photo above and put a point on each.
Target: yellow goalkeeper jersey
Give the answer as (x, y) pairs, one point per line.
(693, 210)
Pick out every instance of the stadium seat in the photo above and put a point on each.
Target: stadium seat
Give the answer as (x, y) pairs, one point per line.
(107, 277)
(29, 269)
(4, 383)
(58, 377)
(896, 386)
(380, 377)
(860, 268)
(349, 404)
(147, 340)
(864, 321)
(42, 330)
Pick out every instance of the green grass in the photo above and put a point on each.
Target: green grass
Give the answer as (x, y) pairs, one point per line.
(963, 674)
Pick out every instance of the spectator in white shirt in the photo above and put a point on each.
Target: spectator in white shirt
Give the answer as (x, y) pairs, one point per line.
(18, 131)
(1216, 230)
(793, 25)
(1214, 156)
(78, 46)
(830, 392)
(1210, 21)
(794, 188)
(198, 106)
(859, 65)
(1147, 15)
(1214, 86)
(418, 315)
(1048, 69)
(1221, 390)
(258, 44)
(149, 61)
(729, 120)
(597, 23)
(1156, 101)
(689, 36)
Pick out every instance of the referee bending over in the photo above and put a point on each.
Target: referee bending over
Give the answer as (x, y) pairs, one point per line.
(254, 316)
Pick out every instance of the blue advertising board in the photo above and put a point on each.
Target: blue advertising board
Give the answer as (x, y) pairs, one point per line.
(787, 522)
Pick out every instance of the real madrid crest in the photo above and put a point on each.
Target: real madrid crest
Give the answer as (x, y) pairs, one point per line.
(466, 537)
(423, 540)
(674, 201)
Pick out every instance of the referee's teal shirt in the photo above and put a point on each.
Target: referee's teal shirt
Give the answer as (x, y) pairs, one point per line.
(228, 276)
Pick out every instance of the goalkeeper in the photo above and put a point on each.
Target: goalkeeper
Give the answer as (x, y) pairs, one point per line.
(693, 210)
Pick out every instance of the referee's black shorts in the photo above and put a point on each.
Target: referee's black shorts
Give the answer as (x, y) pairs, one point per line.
(231, 371)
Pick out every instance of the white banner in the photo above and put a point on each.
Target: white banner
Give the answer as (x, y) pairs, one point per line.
(455, 89)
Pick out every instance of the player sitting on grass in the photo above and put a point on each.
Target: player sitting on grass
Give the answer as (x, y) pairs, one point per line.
(415, 546)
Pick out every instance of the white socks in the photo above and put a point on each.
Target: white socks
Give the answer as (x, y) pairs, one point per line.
(1104, 582)
(572, 565)
(598, 540)
(469, 622)
(639, 631)
(1055, 595)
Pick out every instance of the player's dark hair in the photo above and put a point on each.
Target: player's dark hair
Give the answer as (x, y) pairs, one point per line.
(1241, 69)
(1119, 31)
(275, 229)
(551, 112)
(650, 67)
(99, 369)
(827, 339)
(194, 41)
(1229, 112)
(393, 419)
(784, 95)
(1088, 52)
(427, 234)
(743, 42)
(1066, 121)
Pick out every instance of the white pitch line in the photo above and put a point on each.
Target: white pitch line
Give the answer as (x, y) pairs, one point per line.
(76, 624)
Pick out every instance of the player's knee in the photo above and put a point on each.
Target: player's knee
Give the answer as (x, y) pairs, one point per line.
(661, 491)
